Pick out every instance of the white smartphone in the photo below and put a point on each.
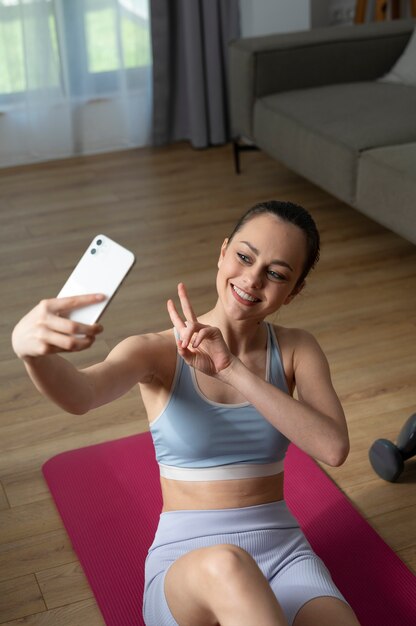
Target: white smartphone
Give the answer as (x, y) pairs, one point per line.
(101, 269)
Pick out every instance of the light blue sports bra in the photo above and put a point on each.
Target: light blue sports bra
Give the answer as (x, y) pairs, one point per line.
(197, 439)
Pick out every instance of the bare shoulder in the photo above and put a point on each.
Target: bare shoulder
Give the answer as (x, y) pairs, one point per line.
(294, 338)
(310, 369)
(312, 375)
(298, 345)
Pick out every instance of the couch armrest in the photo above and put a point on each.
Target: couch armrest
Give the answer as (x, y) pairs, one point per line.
(270, 64)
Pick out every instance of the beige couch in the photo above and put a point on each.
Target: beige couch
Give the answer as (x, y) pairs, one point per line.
(313, 101)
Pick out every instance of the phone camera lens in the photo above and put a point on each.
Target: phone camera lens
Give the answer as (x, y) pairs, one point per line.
(93, 251)
(99, 242)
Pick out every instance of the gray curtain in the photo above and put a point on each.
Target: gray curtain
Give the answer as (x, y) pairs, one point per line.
(190, 80)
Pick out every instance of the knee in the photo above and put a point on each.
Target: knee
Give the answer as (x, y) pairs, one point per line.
(225, 563)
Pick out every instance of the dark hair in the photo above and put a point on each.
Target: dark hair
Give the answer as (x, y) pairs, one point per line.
(294, 214)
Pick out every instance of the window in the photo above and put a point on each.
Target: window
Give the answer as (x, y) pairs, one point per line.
(75, 47)
(23, 31)
(101, 30)
(75, 77)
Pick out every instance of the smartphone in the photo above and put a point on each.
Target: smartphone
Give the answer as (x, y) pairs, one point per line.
(101, 269)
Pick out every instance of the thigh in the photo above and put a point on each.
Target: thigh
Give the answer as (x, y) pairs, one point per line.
(326, 611)
(172, 594)
(173, 579)
(205, 584)
(304, 579)
(221, 584)
(179, 590)
(185, 589)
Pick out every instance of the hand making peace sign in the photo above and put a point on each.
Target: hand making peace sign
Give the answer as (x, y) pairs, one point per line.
(201, 346)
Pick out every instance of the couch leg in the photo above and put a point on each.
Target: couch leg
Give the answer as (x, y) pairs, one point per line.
(240, 146)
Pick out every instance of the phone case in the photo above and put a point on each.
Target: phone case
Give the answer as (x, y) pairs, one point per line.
(101, 269)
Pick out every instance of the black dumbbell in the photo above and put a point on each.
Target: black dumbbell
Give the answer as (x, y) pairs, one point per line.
(387, 459)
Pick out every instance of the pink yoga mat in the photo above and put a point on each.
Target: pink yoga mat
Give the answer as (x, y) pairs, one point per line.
(109, 498)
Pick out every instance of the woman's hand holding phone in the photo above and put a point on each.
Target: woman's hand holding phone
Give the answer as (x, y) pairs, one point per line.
(46, 330)
(68, 323)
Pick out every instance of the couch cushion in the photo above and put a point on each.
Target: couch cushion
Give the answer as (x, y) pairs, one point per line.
(386, 187)
(404, 70)
(320, 132)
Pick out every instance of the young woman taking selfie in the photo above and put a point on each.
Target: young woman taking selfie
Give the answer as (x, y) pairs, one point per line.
(218, 390)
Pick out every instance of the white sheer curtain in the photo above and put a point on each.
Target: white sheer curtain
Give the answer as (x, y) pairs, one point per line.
(75, 77)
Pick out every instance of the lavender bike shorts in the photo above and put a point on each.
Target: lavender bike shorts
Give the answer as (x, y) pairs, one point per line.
(268, 532)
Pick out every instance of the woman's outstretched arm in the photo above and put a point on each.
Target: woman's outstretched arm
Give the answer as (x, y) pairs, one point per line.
(43, 332)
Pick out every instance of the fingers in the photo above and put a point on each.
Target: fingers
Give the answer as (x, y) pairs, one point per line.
(185, 330)
(42, 331)
(59, 305)
(57, 342)
(188, 313)
(49, 317)
(57, 334)
(186, 304)
(203, 333)
(176, 319)
(70, 327)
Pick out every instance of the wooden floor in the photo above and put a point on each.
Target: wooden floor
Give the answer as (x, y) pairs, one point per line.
(173, 207)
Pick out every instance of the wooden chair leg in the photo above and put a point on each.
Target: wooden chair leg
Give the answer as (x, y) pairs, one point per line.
(413, 8)
(236, 152)
(239, 146)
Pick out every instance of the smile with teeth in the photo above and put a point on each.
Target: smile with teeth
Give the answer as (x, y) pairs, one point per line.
(244, 295)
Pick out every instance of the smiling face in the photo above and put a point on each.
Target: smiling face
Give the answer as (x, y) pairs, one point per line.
(259, 268)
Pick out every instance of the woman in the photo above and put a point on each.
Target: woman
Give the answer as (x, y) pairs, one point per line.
(218, 392)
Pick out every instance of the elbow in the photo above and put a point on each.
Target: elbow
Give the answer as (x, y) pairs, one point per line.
(339, 454)
(75, 410)
(77, 406)
(82, 401)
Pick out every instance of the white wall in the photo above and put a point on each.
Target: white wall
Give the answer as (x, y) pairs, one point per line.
(262, 17)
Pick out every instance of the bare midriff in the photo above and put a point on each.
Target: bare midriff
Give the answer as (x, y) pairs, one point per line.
(179, 495)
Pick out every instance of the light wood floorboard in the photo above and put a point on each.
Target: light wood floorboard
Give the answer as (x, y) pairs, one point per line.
(174, 206)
